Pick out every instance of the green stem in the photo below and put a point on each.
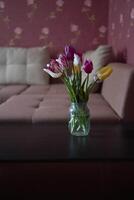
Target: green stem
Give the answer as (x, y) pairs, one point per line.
(91, 86)
(70, 89)
(87, 82)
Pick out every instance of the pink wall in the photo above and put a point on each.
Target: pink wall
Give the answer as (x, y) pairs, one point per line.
(121, 29)
(82, 23)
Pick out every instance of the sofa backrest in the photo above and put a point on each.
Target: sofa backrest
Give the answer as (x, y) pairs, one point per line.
(118, 90)
(23, 65)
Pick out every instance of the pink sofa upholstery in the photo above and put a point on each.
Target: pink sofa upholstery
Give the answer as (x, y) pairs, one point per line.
(49, 104)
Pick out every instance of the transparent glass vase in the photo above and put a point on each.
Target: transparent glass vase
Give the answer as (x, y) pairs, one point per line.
(79, 119)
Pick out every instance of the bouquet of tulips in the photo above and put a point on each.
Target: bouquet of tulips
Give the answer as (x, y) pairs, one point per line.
(69, 66)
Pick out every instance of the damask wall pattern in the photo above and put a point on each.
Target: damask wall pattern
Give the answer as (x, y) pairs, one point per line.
(82, 23)
(121, 29)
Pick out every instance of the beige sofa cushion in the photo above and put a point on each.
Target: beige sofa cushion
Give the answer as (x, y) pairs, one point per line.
(23, 65)
(7, 91)
(51, 107)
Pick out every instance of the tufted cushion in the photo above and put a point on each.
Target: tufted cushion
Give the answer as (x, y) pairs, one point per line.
(23, 65)
(9, 90)
(19, 108)
(51, 108)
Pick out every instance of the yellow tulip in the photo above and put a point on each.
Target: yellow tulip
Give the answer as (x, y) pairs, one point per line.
(76, 69)
(104, 72)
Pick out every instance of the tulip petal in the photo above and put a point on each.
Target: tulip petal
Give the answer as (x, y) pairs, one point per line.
(54, 75)
(69, 52)
(104, 72)
(77, 60)
(88, 66)
(76, 69)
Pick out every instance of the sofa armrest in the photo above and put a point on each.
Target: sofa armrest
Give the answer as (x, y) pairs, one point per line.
(118, 90)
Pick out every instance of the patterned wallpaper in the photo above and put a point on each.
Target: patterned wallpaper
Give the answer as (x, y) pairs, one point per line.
(121, 29)
(82, 23)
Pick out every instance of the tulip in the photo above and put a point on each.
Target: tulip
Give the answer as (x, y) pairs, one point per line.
(104, 73)
(77, 60)
(62, 60)
(76, 64)
(76, 69)
(69, 52)
(88, 66)
(54, 69)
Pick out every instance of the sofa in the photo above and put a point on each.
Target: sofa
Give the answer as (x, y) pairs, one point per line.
(28, 96)
(33, 116)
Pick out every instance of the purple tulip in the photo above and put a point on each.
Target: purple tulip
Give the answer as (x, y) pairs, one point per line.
(88, 66)
(69, 52)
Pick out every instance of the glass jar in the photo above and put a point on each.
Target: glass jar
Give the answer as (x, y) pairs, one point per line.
(79, 119)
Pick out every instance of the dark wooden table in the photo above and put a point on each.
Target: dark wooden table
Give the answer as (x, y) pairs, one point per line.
(34, 162)
(26, 143)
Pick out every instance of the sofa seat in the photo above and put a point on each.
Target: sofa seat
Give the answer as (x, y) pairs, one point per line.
(100, 111)
(49, 105)
(6, 91)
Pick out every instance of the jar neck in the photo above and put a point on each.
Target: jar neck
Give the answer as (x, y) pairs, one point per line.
(80, 104)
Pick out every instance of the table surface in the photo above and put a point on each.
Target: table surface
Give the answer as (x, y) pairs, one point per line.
(26, 143)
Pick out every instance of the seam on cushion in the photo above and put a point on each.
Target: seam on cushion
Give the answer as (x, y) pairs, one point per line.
(33, 121)
(6, 65)
(23, 90)
(7, 99)
(28, 86)
(33, 113)
(18, 93)
(27, 65)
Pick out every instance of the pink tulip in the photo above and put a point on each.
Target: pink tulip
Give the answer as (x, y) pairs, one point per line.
(63, 61)
(54, 69)
(88, 66)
